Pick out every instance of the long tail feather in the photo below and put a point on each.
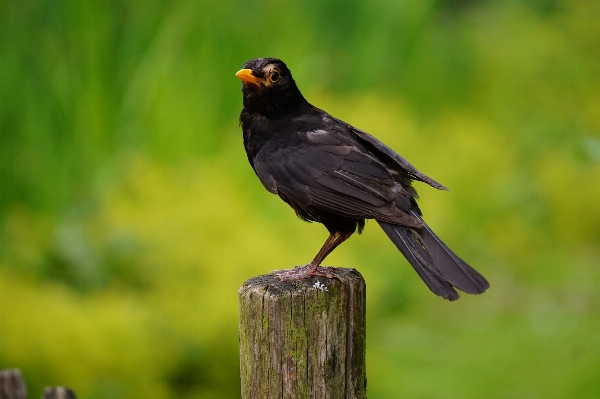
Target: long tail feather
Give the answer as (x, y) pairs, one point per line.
(440, 268)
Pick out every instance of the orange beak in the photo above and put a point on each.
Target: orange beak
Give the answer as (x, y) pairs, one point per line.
(247, 77)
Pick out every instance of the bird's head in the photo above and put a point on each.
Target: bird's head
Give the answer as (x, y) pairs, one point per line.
(269, 88)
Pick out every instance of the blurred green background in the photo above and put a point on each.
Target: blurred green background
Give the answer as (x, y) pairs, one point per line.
(129, 215)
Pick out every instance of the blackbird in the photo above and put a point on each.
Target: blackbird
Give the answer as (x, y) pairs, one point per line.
(333, 173)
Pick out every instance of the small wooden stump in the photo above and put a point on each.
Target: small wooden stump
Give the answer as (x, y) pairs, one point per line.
(303, 339)
(58, 393)
(12, 385)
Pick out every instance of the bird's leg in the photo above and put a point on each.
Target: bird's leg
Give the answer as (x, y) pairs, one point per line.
(314, 268)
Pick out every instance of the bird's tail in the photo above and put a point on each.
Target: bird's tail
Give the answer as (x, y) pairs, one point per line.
(440, 268)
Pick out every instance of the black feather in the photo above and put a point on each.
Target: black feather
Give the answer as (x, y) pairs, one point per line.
(439, 267)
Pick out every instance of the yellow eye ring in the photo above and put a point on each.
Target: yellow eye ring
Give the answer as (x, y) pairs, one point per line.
(274, 77)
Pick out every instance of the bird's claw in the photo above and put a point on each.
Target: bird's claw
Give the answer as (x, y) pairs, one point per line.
(301, 272)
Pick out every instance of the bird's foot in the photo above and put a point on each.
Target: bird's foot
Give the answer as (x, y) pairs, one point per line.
(309, 270)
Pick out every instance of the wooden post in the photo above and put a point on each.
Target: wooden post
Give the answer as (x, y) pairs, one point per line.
(303, 339)
(12, 385)
(58, 393)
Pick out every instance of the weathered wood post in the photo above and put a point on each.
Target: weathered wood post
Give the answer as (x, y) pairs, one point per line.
(303, 339)
(58, 393)
(12, 386)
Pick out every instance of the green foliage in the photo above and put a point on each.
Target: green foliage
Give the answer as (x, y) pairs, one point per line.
(129, 215)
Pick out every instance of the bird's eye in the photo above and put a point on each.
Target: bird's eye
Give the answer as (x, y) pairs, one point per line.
(274, 76)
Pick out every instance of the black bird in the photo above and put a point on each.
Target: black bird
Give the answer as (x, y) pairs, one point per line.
(333, 173)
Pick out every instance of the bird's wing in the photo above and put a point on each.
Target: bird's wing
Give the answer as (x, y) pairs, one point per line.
(383, 151)
(334, 176)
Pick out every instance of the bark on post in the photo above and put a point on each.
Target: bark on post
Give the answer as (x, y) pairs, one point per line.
(303, 339)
